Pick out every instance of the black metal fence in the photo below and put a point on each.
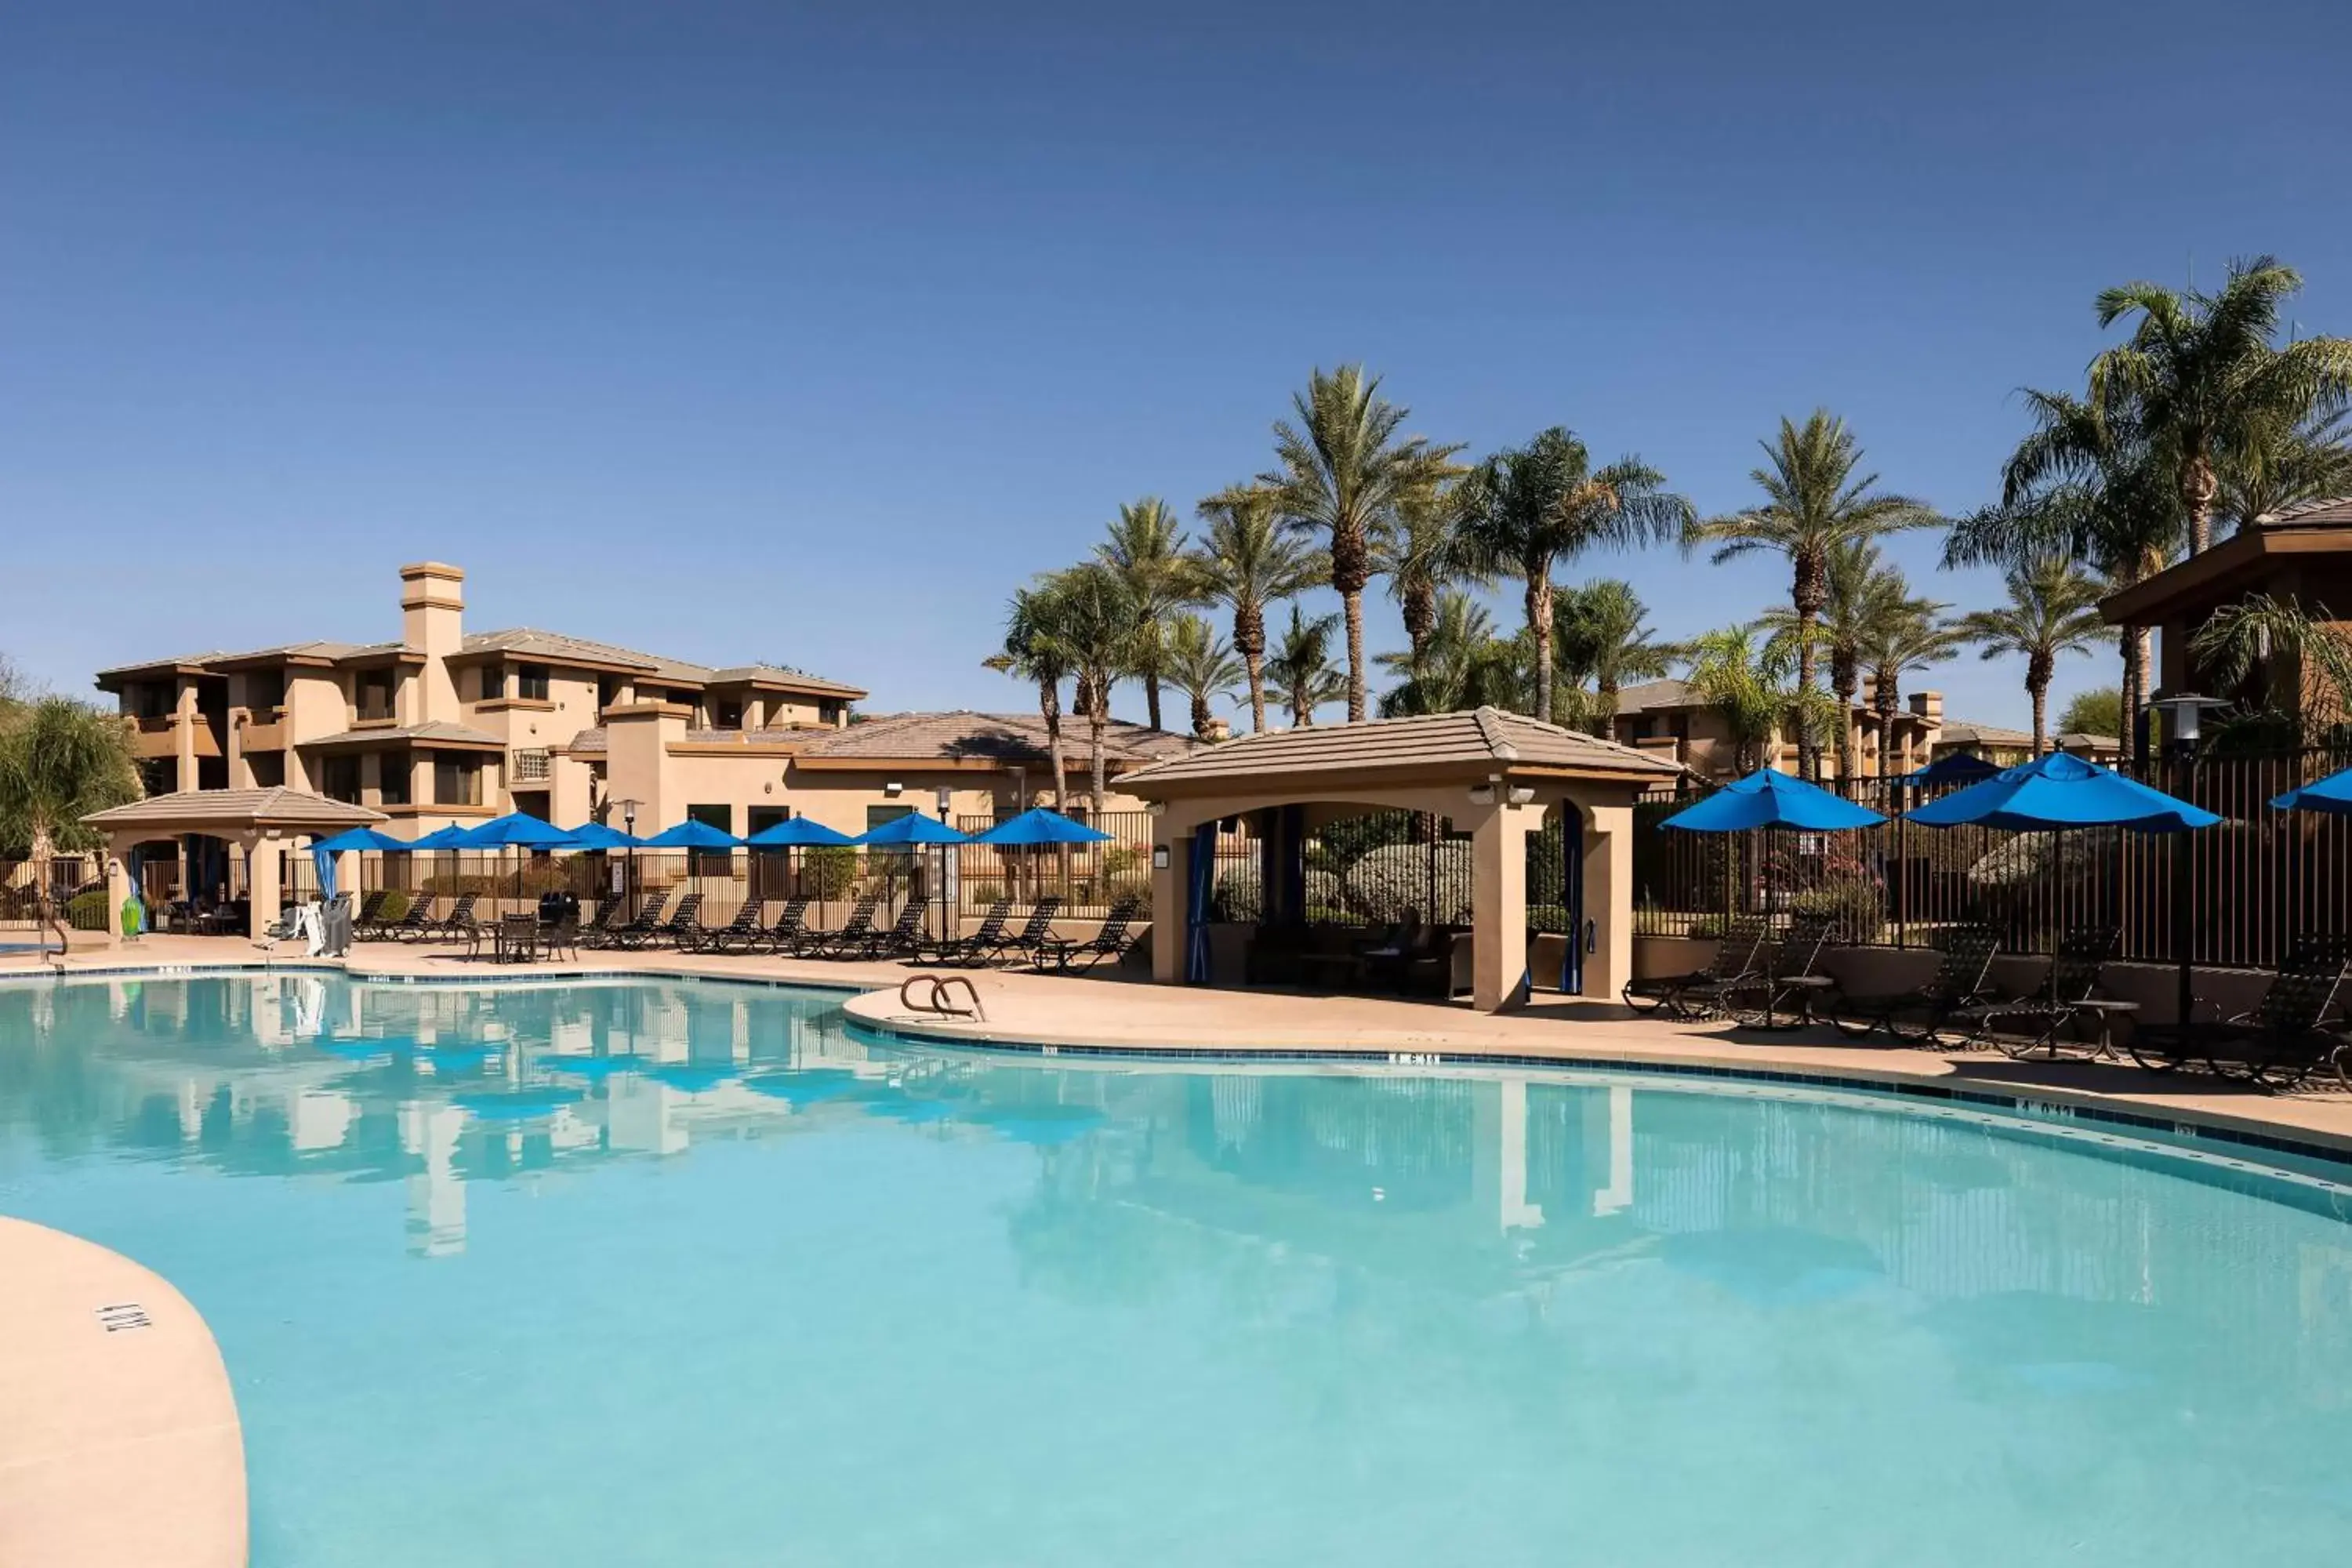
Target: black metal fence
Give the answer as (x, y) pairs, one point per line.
(77, 889)
(2254, 883)
(1088, 877)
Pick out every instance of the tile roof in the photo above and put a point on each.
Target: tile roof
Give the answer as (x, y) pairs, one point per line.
(1487, 736)
(1646, 694)
(280, 807)
(439, 729)
(556, 646)
(1001, 737)
(1959, 731)
(2328, 509)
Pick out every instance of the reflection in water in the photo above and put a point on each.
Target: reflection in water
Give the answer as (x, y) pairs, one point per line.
(1557, 1287)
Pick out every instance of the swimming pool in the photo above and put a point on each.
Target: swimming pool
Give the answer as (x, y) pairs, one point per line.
(636, 1272)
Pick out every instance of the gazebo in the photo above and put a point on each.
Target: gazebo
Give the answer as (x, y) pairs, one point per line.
(258, 822)
(1497, 775)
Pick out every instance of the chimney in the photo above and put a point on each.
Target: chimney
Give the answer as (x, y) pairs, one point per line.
(432, 623)
(1928, 707)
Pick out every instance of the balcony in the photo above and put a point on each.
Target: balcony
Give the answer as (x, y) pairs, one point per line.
(158, 735)
(260, 729)
(532, 767)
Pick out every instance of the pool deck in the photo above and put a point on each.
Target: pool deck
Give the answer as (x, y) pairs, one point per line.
(119, 1435)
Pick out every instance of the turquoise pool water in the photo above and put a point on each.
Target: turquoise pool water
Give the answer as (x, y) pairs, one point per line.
(668, 1273)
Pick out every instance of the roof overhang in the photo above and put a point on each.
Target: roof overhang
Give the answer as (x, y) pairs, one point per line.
(205, 811)
(2222, 572)
(1339, 781)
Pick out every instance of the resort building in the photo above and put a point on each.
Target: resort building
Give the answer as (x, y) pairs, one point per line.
(2300, 556)
(448, 726)
(1669, 719)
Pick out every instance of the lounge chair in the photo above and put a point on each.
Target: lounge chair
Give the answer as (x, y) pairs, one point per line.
(1738, 960)
(816, 943)
(598, 925)
(965, 948)
(1791, 977)
(2281, 1041)
(1035, 933)
(2065, 997)
(684, 925)
(744, 928)
(1917, 1017)
(412, 923)
(370, 919)
(1109, 940)
(903, 936)
(459, 923)
(633, 931)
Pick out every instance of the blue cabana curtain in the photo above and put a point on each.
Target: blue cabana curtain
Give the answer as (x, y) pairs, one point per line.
(324, 860)
(1202, 876)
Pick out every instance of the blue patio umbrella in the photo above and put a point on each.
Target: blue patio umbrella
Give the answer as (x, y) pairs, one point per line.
(1769, 798)
(797, 833)
(517, 830)
(361, 838)
(1959, 767)
(2057, 791)
(692, 835)
(596, 836)
(1038, 826)
(451, 837)
(914, 828)
(2332, 793)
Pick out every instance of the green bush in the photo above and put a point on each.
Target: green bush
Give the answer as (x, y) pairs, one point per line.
(1855, 903)
(828, 871)
(395, 906)
(87, 910)
(1385, 883)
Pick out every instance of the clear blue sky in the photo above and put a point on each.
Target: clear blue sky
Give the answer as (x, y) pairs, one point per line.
(743, 331)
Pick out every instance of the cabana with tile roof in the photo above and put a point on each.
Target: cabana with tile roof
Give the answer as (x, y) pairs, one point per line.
(1499, 775)
(264, 824)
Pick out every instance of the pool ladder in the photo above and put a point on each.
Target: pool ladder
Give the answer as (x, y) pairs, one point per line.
(940, 1002)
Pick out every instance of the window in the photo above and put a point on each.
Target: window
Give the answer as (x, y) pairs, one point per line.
(159, 775)
(373, 695)
(875, 816)
(265, 689)
(152, 699)
(269, 768)
(608, 692)
(712, 862)
(530, 681)
(340, 780)
(391, 778)
(457, 781)
(727, 716)
(683, 699)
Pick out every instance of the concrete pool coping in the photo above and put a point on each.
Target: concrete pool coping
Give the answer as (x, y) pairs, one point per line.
(120, 1443)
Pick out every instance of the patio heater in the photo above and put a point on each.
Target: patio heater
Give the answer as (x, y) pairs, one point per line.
(2183, 722)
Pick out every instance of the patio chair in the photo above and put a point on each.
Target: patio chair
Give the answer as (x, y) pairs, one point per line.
(597, 926)
(813, 943)
(1034, 933)
(371, 916)
(460, 922)
(563, 936)
(1109, 940)
(1739, 959)
(411, 925)
(1917, 1017)
(1791, 973)
(2281, 1041)
(964, 948)
(630, 933)
(518, 938)
(684, 925)
(2064, 997)
(787, 930)
(903, 936)
(744, 928)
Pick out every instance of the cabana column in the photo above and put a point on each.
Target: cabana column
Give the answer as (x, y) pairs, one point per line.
(1607, 873)
(1498, 857)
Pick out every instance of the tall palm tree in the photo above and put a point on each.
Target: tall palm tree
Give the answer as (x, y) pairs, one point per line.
(1097, 623)
(1247, 563)
(1301, 667)
(1146, 547)
(1866, 595)
(1342, 473)
(1600, 632)
(2053, 610)
(1743, 676)
(1528, 508)
(1420, 552)
(1463, 665)
(1906, 640)
(1034, 651)
(59, 761)
(2202, 375)
(2285, 464)
(1813, 505)
(1201, 665)
(2088, 484)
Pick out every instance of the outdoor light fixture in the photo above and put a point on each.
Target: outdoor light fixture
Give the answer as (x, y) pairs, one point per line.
(2182, 720)
(1522, 794)
(1160, 856)
(893, 788)
(1157, 808)
(945, 797)
(1482, 795)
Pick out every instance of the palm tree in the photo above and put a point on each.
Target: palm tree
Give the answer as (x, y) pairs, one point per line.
(1343, 475)
(1146, 547)
(1866, 595)
(2287, 463)
(2053, 609)
(1097, 623)
(1301, 667)
(1247, 563)
(1528, 508)
(1420, 552)
(1601, 633)
(2201, 376)
(1201, 665)
(1032, 651)
(1813, 505)
(59, 761)
(1743, 676)
(1463, 665)
(2086, 484)
(1907, 640)
(2302, 650)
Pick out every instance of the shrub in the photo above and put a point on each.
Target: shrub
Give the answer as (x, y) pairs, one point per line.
(395, 906)
(1856, 903)
(1238, 897)
(85, 910)
(1385, 883)
(828, 871)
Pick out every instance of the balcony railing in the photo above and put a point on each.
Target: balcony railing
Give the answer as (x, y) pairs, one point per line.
(532, 767)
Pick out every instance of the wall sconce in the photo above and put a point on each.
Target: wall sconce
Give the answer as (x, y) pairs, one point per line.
(1482, 795)
(893, 789)
(1160, 856)
(1157, 808)
(1522, 794)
